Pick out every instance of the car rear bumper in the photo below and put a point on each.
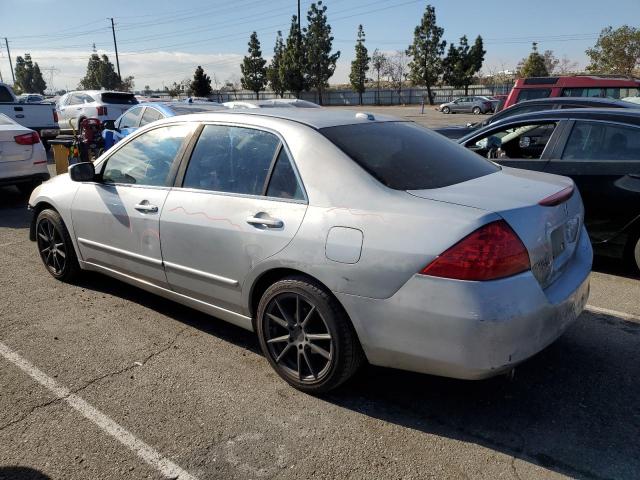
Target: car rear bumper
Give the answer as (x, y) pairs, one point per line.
(34, 177)
(470, 330)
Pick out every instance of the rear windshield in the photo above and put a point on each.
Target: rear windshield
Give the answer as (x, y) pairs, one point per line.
(406, 156)
(191, 108)
(119, 98)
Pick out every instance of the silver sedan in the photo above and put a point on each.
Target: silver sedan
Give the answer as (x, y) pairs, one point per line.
(338, 237)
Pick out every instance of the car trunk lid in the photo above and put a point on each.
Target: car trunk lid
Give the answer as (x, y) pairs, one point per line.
(10, 150)
(550, 233)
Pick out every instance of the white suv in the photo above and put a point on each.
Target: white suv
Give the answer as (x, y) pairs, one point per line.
(100, 104)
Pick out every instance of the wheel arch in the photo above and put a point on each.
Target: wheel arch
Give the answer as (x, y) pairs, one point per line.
(36, 209)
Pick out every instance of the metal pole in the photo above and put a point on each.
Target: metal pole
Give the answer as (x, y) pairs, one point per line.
(6, 42)
(115, 45)
(299, 17)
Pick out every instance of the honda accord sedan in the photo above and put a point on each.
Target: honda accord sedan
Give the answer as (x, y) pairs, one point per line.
(338, 237)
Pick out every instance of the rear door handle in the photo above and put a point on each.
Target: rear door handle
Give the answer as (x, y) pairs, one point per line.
(265, 221)
(146, 208)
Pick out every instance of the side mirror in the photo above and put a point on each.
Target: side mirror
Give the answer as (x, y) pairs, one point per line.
(82, 172)
(109, 124)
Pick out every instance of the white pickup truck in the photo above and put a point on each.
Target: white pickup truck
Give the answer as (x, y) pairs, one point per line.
(41, 117)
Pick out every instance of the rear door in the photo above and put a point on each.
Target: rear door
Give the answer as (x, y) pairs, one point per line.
(603, 158)
(117, 219)
(239, 201)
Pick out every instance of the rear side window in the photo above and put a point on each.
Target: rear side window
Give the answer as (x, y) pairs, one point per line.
(150, 115)
(283, 183)
(601, 141)
(130, 119)
(119, 98)
(533, 94)
(231, 159)
(405, 156)
(5, 95)
(582, 92)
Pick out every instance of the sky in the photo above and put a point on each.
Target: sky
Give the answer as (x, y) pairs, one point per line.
(160, 42)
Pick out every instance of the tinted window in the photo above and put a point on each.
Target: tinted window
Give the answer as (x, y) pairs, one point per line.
(533, 94)
(75, 100)
(405, 156)
(582, 92)
(5, 96)
(601, 141)
(521, 142)
(130, 119)
(119, 98)
(283, 183)
(150, 115)
(517, 110)
(231, 159)
(147, 159)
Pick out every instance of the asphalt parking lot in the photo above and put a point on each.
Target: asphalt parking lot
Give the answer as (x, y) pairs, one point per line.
(102, 380)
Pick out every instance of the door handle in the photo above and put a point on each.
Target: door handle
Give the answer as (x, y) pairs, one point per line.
(265, 222)
(146, 207)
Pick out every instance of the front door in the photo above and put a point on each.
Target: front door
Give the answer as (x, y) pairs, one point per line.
(603, 159)
(240, 202)
(116, 219)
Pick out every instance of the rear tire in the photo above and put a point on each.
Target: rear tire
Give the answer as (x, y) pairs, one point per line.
(635, 254)
(476, 110)
(55, 246)
(306, 335)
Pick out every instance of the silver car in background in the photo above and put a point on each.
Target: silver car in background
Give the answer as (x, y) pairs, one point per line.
(471, 104)
(336, 236)
(103, 105)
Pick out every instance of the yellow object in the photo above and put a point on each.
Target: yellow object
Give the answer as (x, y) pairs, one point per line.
(61, 157)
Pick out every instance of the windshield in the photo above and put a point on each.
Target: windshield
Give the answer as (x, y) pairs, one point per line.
(406, 156)
(193, 108)
(119, 98)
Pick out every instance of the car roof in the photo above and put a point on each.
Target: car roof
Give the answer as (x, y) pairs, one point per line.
(316, 118)
(631, 115)
(583, 100)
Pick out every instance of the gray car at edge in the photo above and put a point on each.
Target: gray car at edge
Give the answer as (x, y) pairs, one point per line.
(338, 237)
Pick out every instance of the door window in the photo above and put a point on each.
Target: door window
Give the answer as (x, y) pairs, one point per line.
(5, 95)
(533, 94)
(150, 115)
(521, 142)
(75, 100)
(148, 158)
(129, 119)
(231, 159)
(602, 141)
(283, 182)
(582, 92)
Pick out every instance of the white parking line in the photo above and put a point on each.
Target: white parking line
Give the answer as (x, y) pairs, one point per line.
(613, 313)
(144, 451)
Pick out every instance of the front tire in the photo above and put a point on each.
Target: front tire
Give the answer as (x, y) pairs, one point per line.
(55, 246)
(306, 335)
(446, 110)
(635, 254)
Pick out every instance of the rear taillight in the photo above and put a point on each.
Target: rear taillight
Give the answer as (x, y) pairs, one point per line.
(491, 252)
(27, 139)
(557, 198)
(102, 111)
(55, 116)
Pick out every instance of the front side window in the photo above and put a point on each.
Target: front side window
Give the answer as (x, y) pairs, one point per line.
(533, 94)
(283, 182)
(130, 119)
(521, 142)
(5, 95)
(406, 156)
(148, 158)
(602, 141)
(231, 159)
(582, 92)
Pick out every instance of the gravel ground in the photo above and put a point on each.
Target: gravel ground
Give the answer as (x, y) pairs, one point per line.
(198, 392)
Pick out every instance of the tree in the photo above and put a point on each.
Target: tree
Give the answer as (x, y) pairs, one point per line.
(396, 71)
(550, 61)
(273, 71)
(38, 85)
(566, 66)
(427, 48)
(127, 84)
(292, 67)
(462, 63)
(616, 51)
(320, 62)
(533, 65)
(147, 90)
(379, 63)
(201, 83)
(254, 72)
(100, 74)
(359, 66)
(24, 73)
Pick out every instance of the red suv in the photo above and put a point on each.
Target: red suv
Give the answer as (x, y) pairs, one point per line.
(577, 86)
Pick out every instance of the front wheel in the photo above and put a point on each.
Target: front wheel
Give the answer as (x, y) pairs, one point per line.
(55, 246)
(306, 335)
(476, 111)
(446, 110)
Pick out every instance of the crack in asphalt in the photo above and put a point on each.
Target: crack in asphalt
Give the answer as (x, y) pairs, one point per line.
(93, 381)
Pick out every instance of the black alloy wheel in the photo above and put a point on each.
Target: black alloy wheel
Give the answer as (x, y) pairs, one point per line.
(55, 247)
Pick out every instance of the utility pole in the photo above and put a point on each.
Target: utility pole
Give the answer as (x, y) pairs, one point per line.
(299, 16)
(115, 45)
(6, 42)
